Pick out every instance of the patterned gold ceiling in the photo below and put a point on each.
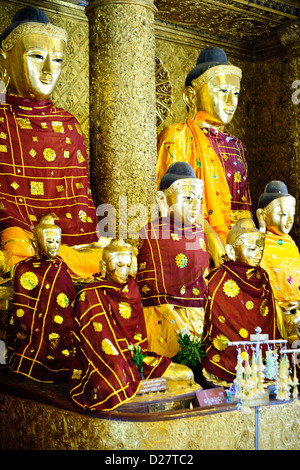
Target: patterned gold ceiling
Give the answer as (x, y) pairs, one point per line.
(237, 20)
(244, 21)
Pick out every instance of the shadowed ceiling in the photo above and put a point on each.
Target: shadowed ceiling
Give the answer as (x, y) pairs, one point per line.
(239, 20)
(243, 21)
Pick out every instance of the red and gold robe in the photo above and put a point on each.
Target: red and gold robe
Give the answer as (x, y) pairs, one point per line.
(40, 334)
(43, 167)
(219, 159)
(44, 170)
(239, 298)
(109, 319)
(172, 264)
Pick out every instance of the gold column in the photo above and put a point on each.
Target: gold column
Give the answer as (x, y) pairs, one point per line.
(290, 37)
(122, 106)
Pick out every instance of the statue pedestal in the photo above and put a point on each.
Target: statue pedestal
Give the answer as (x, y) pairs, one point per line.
(35, 416)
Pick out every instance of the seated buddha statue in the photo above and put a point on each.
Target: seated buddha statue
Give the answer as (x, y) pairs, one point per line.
(281, 259)
(109, 336)
(218, 158)
(43, 161)
(40, 333)
(173, 261)
(239, 299)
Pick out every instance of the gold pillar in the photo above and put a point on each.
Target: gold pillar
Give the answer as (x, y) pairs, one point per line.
(122, 107)
(290, 37)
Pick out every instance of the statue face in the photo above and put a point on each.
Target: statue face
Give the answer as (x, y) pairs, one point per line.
(118, 267)
(34, 65)
(48, 242)
(219, 97)
(250, 251)
(281, 218)
(185, 202)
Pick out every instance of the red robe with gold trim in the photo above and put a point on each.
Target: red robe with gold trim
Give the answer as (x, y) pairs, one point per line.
(43, 166)
(108, 319)
(172, 263)
(238, 299)
(40, 335)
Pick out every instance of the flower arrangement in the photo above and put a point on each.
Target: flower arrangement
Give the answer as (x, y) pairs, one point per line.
(192, 349)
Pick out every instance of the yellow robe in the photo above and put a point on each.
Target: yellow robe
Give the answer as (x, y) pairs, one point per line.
(281, 260)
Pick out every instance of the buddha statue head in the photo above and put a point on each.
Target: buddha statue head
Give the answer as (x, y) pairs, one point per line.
(116, 263)
(213, 87)
(46, 237)
(276, 209)
(245, 243)
(180, 193)
(31, 54)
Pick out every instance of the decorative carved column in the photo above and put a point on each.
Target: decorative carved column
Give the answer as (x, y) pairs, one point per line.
(122, 106)
(290, 37)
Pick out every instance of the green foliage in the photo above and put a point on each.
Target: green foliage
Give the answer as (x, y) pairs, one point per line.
(192, 349)
(138, 357)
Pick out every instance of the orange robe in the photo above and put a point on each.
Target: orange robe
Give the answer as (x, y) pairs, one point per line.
(219, 160)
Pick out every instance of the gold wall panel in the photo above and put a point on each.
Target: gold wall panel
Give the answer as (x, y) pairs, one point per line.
(28, 425)
(34, 426)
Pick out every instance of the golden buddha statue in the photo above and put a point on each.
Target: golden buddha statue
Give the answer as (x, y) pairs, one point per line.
(239, 299)
(39, 339)
(42, 149)
(281, 259)
(173, 261)
(109, 333)
(46, 237)
(219, 159)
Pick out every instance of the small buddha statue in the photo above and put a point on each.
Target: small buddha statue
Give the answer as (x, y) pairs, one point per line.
(40, 334)
(239, 299)
(111, 338)
(43, 157)
(281, 259)
(211, 94)
(173, 261)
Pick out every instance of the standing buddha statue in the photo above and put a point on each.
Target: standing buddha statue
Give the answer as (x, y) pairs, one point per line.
(218, 158)
(43, 162)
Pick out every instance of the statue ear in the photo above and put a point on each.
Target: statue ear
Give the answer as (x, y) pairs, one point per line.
(162, 203)
(262, 220)
(102, 266)
(35, 246)
(189, 97)
(4, 78)
(230, 252)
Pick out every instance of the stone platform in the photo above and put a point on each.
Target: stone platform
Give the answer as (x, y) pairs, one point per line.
(42, 417)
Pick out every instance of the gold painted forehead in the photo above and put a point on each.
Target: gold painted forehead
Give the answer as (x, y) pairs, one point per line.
(46, 229)
(214, 71)
(285, 202)
(22, 30)
(247, 237)
(191, 183)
